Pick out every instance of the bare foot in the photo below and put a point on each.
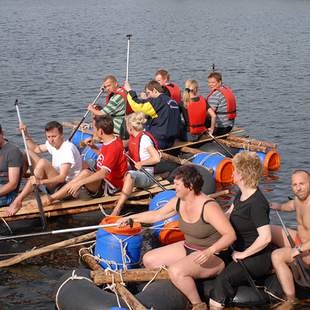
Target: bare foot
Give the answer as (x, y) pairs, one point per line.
(46, 201)
(14, 207)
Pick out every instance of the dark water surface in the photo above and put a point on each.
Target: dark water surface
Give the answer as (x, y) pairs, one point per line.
(53, 55)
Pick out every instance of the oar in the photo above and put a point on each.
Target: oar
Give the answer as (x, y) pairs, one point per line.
(221, 144)
(249, 278)
(304, 278)
(146, 173)
(35, 186)
(85, 115)
(67, 230)
(128, 47)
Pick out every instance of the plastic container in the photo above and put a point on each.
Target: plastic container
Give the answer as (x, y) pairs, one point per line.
(166, 231)
(119, 247)
(222, 166)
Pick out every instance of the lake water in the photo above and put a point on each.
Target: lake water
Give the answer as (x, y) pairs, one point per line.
(54, 54)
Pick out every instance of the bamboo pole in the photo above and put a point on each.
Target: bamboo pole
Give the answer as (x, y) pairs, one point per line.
(252, 141)
(46, 249)
(131, 275)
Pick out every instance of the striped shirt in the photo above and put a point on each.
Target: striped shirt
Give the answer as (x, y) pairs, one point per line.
(218, 103)
(116, 108)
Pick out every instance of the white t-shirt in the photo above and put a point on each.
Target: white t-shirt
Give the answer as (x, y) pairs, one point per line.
(66, 154)
(145, 142)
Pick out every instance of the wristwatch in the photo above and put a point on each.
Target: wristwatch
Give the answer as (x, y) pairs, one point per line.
(298, 248)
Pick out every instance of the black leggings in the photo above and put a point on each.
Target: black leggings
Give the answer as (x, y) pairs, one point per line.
(227, 282)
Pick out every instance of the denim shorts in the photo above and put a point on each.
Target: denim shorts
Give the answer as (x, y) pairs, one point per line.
(140, 179)
(7, 199)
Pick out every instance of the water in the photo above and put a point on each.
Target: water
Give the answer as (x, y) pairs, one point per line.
(54, 54)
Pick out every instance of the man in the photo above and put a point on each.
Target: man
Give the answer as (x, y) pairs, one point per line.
(164, 114)
(115, 102)
(281, 258)
(66, 163)
(11, 170)
(111, 165)
(170, 89)
(222, 100)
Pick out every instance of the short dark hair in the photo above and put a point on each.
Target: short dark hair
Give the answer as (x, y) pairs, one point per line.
(302, 171)
(163, 73)
(154, 85)
(216, 75)
(53, 124)
(104, 122)
(190, 177)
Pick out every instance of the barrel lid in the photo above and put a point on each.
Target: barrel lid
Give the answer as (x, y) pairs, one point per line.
(123, 230)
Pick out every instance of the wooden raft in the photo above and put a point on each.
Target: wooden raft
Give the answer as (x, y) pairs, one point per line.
(77, 206)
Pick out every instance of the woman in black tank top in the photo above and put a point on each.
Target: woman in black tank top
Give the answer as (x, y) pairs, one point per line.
(207, 232)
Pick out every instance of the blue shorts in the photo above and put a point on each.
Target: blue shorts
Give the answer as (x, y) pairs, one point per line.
(140, 179)
(7, 199)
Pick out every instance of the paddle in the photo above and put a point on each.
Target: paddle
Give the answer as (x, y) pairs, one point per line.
(146, 173)
(67, 230)
(35, 186)
(128, 47)
(301, 275)
(85, 115)
(221, 144)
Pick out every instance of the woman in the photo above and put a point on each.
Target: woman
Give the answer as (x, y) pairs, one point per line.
(249, 215)
(195, 111)
(206, 229)
(143, 152)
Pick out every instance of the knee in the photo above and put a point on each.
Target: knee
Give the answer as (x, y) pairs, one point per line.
(150, 261)
(41, 164)
(276, 257)
(175, 273)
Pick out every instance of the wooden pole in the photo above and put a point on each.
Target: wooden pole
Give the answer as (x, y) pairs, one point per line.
(187, 149)
(129, 298)
(240, 145)
(131, 275)
(49, 248)
(252, 141)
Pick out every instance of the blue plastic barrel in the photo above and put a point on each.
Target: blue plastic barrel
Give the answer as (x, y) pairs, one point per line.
(221, 166)
(80, 136)
(87, 153)
(117, 308)
(108, 247)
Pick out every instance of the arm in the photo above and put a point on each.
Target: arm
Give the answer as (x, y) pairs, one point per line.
(288, 206)
(11, 185)
(60, 178)
(155, 215)
(32, 146)
(263, 239)
(216, 217)
(90, 143)
(141, 105)
(213, 120)
(152, 160)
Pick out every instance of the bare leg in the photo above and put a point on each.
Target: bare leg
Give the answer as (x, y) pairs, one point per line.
(126, 191)
(184, 271)
(166, 255)
(280, 260)
(279, 238)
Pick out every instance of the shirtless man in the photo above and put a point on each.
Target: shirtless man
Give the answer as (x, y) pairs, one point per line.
(281, 258)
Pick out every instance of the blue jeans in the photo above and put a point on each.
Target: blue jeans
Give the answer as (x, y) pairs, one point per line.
(7, 199)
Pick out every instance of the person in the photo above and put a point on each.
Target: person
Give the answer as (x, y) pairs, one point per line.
(144, 152)
(222, 100)
(66, 163)
(195, 111)
(11, 170)
(116, 102)
(170, 89)
(110, 169)
(249, 216)
(281, 258)
(206, 229)
(164, 114)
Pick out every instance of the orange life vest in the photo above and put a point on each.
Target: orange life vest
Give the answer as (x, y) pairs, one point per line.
(231, 105)
(122, 92)
(175, 92)
(197, 115)
(134, 145)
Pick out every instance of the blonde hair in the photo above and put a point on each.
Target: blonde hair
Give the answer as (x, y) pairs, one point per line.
(249, 167)
(136, 120)
(193, 86)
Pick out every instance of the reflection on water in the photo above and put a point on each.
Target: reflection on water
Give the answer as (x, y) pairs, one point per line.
(53, 56)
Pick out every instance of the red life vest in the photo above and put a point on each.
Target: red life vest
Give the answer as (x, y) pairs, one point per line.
(231, 105)
(175, 92)
(122, 92)
(134, 145)
(197, 115)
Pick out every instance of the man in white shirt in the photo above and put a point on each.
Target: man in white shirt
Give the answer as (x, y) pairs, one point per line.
(66, 163)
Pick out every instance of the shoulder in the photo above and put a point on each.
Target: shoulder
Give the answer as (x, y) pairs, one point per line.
(146, 140)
